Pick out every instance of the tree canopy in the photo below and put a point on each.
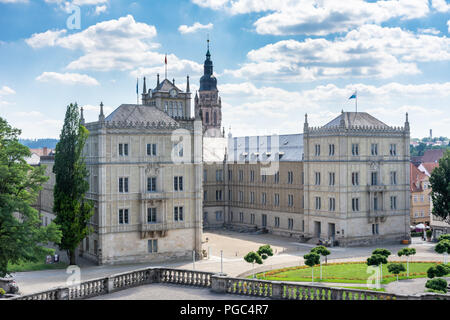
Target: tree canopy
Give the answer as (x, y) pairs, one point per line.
(265, 251)
(22, 238)
(443, 246)
(381, 251)
(253, 257)
(439, 270)
(396, 268)
(73, 211)
(406, 252)
(376, 260)
(321, 250)
(440, 188)
(312, 259)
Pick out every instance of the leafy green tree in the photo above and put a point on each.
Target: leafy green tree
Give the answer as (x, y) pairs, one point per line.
(438, 284)
(384, 252)
(396, 268)
(22, 238)
(444, 237)
(312, 259)
(265, 251)
(253, 257)
(72, 210)
(322, 251)
(439, 270)
(443, 247)
(377, 260)
(440, 188)
(407, 252)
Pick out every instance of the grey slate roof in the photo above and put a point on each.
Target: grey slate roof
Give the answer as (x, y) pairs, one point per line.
(356, 119)
(140, 113)
(166, 85)
(288, 147)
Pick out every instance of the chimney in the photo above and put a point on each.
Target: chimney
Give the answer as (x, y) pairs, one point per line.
(45, 151)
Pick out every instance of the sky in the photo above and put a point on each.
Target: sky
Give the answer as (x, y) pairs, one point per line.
(274, 60)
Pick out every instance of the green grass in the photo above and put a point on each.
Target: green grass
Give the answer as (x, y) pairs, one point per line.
(352, 272)
(35, 266)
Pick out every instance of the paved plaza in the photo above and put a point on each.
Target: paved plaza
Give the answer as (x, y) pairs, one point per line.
(234, 245)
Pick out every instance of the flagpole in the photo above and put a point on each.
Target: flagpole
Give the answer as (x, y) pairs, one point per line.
(137, 90)
(165, 62)
(356, 101)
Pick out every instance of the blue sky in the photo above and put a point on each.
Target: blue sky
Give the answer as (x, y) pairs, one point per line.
(274, 60)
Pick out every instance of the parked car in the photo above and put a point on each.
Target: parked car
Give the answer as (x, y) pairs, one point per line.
(9, 285)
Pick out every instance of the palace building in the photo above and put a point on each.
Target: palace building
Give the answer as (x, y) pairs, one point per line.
(159, 176)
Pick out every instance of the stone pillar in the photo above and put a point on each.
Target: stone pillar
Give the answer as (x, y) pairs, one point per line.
(219, 283)
(277, 290)
(110, 284)
(62, 294)
(154, 275)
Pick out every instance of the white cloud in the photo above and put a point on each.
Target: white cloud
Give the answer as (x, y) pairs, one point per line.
(370, 51)
(119, 44)
(440, 5)
(6, 91)
(429, 30)
(319, 17)
(68, 78)
(276, 110)
(100, 9)
(196, 26)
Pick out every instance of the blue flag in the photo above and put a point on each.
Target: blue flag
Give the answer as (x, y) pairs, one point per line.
(353, 96)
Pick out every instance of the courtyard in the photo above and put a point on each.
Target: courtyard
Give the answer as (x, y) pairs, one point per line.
(234, 246)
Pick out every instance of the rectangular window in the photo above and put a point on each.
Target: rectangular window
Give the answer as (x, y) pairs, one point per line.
(331, 176)
(290, 223)
(230, 175)
(123, 185)
(241, 196)
(332, 205)
(318, 203)
(241, 217)
(230, 195)
(355, 178)
(393, 202)
(375, 228)
(331, 149)
(317, 176)
(178, 214)
(276, 177)
(374, 178)
(178, 183)
(375, 203)
(374, 149)
(393, 177)
(252, 197)
(205, 195)
(264, 220)
(123, 149)
(205, 175)
(290, 177)
(263, 178)
(151, 184)
(264, 198)
(218, 195)
(317, 150)
(276, 199)
(123, 216)
(152, 245)
(218, 215)
(252, 218)
(355, 204)
(241, 175)
(252, 176)
(277, 222)
(355, 149)
(290, 200)
(151, 215)
(303, 177)
(393, 149)
(151, 149)
(219, 175)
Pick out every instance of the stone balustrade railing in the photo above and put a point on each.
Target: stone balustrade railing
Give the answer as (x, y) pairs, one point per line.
(218, 283)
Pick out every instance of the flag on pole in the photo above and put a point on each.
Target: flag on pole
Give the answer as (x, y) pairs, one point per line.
(137, 86)
(353, 96)
(165, 59)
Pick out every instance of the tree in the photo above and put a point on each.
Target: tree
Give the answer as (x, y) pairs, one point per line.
(22, 238)
(377, 260)
(381, 251)
(396, 268)
(265, 251)
(444, 237)
(253, 257)
(407, 252)
(312, 259)
(72, 210)
(443, 247)
(440, 188)
(438, 284)
(322, 251)
(439, 270)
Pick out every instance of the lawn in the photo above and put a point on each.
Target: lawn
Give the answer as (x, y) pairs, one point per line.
(35, 266)
(353, 272)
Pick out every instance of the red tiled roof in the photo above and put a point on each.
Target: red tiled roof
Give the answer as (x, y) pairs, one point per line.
(41, 151)
(429, 166)
(432, 155)
(416, 176)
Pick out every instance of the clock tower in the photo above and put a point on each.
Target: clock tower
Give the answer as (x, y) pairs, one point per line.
(208, 105)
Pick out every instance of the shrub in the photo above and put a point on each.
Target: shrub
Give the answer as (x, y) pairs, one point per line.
(444, 237)
(439, 270)
(2, 292)
(438, 284)
(429, 233)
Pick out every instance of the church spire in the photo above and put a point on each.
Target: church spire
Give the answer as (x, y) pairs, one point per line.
(187, 84)
(101, 116)
(144, 89)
